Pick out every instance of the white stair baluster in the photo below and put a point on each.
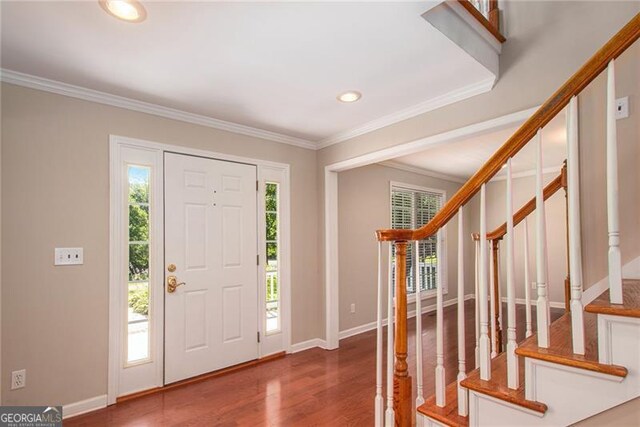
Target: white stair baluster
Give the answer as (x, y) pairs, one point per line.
(418, 294)
(476, 301)
(575, 245)
(492, 305)
(485, 359)
(613, 215)
(440, 381)
(379, 401)
(389, 414)
(527, 281)
(513, 378)
(463, 400)
(542, 303)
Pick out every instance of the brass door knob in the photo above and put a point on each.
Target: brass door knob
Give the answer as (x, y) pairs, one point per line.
(172, 284)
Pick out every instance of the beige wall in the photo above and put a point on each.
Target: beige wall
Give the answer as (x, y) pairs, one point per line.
(593, 171)
(55, 176)
(546, 43)
(523, 190)
(363, 207)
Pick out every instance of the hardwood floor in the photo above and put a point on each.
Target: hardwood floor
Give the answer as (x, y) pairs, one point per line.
(310, 388)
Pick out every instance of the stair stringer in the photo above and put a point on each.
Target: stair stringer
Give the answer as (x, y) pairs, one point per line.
(571, 394)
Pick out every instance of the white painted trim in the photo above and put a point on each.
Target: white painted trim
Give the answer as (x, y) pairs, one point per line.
(79, 92)
(84, 406)
(425, 296)
(114, 298)
(422, 144)
(307, 345)
(331, 199)
(424, 107)
(552, 304)
(47, 85)
(332, 288)
(408, 168)
(630, 270)
(372, 325)
(532, 172)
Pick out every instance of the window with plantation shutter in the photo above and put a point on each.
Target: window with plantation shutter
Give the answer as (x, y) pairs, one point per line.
(412, 207)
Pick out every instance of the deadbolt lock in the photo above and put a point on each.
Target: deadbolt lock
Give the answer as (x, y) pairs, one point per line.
(171, 268)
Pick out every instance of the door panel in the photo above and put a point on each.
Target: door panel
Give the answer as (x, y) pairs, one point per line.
(211, 321)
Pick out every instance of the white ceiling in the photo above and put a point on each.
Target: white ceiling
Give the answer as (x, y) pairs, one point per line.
(461, 159)
(272, 66)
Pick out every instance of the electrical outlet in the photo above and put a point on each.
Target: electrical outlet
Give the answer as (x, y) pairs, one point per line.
(622, 108)
(68, 256)
(533, 285)
(18, 379)
(353, 308)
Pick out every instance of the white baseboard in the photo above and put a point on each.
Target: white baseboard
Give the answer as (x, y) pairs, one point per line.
(372, 325)
(306, 345)
(630, 270)
(84, 406)
(552, 304)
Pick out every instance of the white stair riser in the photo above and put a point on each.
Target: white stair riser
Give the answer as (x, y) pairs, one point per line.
(571, 394)
(424, 421)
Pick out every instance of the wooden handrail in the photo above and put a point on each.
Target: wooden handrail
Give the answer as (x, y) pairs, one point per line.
(492, 23)
(528, 208)
(572, 87)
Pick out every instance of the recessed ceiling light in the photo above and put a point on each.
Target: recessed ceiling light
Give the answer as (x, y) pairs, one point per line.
(127, 10)
(350, 96)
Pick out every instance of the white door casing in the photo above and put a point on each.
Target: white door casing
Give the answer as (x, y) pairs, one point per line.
(123, 380)
(211, 321)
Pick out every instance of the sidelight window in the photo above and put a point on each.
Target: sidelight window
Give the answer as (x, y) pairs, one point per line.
(272, 272)
(138, 220)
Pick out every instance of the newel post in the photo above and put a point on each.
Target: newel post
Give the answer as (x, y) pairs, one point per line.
(401, 379)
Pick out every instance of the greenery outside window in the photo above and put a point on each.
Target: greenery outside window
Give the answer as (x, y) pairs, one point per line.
(138, 220)
(272, 273)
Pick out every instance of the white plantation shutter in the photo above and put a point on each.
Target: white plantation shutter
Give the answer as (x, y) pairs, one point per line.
(412, 208)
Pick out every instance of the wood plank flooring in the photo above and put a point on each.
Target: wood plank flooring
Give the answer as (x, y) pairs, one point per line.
(311, 388)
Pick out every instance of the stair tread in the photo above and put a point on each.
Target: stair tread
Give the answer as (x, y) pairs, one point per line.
(497, 386)
(630, 306)
(561, 347)
(447, 415)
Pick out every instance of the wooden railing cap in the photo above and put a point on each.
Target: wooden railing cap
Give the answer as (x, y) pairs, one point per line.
(552, 106)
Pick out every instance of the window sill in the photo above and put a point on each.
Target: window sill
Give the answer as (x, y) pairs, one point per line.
(425, 295)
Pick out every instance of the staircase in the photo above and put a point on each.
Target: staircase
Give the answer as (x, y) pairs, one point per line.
(558, 387)
(585, 362)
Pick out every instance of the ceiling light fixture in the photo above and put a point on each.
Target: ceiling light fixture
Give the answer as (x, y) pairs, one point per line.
(127, 10)
(350, 96)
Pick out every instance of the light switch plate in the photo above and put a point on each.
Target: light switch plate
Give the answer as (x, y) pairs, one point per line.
(68, 256)
(622, 108)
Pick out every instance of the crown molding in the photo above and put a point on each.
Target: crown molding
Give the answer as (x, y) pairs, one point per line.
(424, 107)
(79, 92)
(47, 85)
(420, 171)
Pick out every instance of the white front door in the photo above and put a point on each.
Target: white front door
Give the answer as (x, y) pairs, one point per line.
(211, 321)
